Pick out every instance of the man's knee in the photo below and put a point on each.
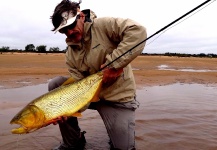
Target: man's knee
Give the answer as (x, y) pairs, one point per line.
(56, 82)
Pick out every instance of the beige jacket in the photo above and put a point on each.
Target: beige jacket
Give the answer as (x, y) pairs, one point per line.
(104, 40)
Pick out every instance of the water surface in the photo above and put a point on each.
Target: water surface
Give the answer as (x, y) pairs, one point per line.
(177, 116)
(171, 117)
(190, 69)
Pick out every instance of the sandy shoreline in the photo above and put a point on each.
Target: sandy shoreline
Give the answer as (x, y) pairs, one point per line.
(25, 69)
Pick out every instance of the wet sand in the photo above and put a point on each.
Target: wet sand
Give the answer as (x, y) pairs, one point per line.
(17, 70)
(177, 106)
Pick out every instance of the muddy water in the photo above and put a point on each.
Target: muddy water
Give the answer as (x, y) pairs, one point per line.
(177, 117)
(171, 117)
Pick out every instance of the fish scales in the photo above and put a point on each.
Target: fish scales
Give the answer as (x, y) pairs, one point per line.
(63, 101)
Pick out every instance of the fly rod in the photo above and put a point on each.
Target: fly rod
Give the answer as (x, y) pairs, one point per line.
(164, 28)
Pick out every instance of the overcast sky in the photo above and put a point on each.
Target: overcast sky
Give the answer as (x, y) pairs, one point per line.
(25, 22)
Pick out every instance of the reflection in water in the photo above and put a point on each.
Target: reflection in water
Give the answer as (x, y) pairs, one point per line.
(22, 94)
(171, 117)
(166, 67)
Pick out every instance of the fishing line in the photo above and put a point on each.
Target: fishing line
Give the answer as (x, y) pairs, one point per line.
(178, 23)
(162, 29)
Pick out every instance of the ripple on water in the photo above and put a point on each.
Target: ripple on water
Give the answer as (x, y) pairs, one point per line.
(170, 117)
(177, 117)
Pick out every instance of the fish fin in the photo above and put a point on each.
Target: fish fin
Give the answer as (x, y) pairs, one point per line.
(55, 120)
(68, 81)
(77, 114)
(96, 95)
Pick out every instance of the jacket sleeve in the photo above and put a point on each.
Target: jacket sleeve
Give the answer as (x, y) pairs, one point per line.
(128, 34)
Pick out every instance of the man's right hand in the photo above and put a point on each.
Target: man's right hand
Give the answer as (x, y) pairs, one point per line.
(110, 75)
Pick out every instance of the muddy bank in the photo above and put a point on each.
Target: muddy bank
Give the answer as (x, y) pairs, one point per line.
(25, 69)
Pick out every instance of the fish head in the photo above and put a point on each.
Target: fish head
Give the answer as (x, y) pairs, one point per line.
(30, 118)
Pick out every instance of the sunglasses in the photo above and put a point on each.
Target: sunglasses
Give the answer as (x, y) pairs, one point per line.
(71, 26)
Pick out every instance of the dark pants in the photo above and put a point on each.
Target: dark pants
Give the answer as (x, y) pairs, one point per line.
(119, 120)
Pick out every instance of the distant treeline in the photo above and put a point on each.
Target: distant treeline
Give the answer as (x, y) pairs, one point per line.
(42, 49)
(182, 55)
(31, 48)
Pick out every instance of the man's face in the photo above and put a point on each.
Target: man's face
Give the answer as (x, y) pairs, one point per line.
(75, 31)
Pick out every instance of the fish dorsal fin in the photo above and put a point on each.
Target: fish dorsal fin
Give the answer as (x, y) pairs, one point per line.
(69, 81)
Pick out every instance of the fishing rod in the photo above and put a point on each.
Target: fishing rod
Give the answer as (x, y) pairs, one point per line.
(164, 28)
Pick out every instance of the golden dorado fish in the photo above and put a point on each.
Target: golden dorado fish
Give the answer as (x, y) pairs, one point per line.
(65, 100)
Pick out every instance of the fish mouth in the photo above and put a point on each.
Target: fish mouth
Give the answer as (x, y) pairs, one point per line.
(22, 129)
(29, 119)
(19, 130)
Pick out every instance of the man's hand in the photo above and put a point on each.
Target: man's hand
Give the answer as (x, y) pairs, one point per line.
(110, 75)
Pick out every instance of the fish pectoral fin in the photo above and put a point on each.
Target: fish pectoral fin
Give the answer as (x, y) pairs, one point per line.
(68, 81)
(77, 114)
(53, 121)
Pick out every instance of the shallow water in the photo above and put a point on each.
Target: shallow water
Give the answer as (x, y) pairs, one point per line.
(171, 117)
(177, 117)
(166, 67)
